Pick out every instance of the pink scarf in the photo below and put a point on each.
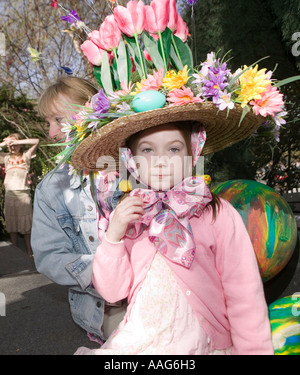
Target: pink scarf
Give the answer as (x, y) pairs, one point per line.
(167, 217)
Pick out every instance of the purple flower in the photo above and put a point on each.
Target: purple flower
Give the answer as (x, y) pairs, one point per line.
(71, 17)
(192, 2)
(100, 102)
(216, 81)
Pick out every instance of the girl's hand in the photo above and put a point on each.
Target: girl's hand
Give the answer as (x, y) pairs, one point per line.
(130, 209)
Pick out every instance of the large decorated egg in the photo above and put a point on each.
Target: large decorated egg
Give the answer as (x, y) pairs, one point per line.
(284, 315)
(148, 100)
(269, 220)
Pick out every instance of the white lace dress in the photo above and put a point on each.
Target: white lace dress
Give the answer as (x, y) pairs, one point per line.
(160, 322)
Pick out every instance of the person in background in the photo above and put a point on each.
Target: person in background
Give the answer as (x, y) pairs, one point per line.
(18, 203)
(65, 234)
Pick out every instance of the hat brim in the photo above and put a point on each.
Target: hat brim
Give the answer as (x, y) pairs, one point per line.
(222, 130)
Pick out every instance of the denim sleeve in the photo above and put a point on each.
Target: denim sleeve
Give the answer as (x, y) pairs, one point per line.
(53, 247)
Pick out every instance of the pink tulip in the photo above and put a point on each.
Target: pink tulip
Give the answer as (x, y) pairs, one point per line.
(157, 16)
(182, 30)
(95, 38)
(92, 52)
(130, 19)
(173, 14)
(109, 35)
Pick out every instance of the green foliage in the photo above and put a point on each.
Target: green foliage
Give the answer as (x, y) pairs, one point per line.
(253, 30)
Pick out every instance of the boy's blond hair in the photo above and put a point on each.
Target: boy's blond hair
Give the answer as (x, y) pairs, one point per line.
(78, 90)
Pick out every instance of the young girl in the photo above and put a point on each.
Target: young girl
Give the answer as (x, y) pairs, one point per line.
(181, 256)
(18, 204)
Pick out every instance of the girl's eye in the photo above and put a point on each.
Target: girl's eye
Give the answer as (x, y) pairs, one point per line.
(147, 150)
(174, 149)
(58, 120)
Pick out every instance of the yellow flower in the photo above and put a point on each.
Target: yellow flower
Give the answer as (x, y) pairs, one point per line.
(80, 129)
(175, 80)
(253, 82)
(125, 186)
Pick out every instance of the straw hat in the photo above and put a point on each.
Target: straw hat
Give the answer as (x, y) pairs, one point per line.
(221, 131)
(229, 105)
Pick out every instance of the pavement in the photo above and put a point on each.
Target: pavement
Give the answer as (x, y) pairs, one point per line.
(34, 312)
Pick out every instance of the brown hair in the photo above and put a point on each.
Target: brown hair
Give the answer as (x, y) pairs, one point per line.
(17, 137)
(185, 129)
(79, 91)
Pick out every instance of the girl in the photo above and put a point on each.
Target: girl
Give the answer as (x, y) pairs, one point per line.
(182, 257)
(17, 204)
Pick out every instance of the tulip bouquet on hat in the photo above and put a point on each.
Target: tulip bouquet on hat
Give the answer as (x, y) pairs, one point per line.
(144, 67)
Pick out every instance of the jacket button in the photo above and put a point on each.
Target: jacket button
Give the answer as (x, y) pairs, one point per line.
(91, 238)
(89, 208)
(98, 304)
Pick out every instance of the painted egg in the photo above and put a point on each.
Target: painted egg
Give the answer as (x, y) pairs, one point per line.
(269, 220)
(148, 100)
(284, 315)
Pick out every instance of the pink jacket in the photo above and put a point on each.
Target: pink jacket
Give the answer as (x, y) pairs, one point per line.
(223, 285)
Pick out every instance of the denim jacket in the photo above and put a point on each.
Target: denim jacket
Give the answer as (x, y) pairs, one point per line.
(64, 239)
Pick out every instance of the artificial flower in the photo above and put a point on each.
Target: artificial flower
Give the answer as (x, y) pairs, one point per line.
(192, 2)
(252, 83)
(279, 120)
(175, 80)
(131, 19)
(100, 102)
(157, 16)
(173, 16)
(73, 19)
(109, 34)
(92, 52)
(152, 82)
(125, 186)
(182, 30)
(224, 101)
(182, 96)
(54, 4)
(271, 101)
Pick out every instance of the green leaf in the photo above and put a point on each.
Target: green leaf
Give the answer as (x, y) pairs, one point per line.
(164, 46)
(97, 74)
(246, 109)
(106, 74)
(124, 65)
(114, 69)
(138, 57)
(184, 51)
(286, 81)
(151, 46)
(175, 59)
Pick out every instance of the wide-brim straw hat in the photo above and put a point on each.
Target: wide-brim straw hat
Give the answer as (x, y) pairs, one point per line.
(223, 129)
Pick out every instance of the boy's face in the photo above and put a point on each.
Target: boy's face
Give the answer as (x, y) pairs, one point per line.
(59, 112)
(162, 156)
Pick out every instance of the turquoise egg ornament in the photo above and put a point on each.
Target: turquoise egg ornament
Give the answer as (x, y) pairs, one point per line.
(148, 100)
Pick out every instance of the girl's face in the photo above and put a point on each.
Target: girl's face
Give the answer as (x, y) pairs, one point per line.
(58, 113)
(162, 157)
(14, 149)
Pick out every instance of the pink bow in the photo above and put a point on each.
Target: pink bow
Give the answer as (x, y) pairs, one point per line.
(167, 215)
